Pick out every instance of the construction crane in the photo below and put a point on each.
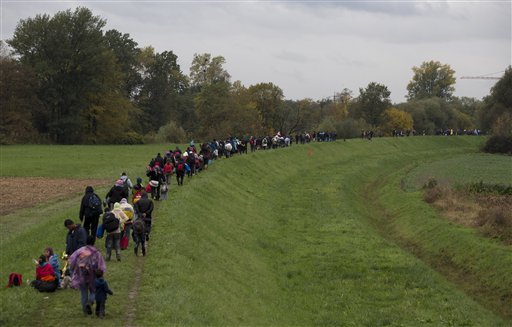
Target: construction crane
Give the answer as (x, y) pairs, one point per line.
(485, 76)
(479, 77)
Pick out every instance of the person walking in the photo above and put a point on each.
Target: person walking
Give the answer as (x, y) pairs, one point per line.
(144, 209)
(84, 263)
(90, 211)
(102, 290)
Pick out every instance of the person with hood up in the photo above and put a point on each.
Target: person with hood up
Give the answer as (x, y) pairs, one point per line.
(90, 211)
(114, 238)
(144, 209)
(116, 193)
(84, 263)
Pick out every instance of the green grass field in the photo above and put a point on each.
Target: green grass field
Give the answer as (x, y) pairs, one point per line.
(318, 234)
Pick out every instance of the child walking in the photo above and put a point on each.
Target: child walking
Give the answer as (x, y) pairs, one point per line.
(101, 294)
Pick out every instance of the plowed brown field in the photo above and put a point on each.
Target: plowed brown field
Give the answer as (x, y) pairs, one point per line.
(24, 192)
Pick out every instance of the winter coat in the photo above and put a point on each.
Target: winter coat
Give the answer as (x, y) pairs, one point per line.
(102, 290)
(75, 239)
(85, 211)
(144, 205)
(117, 193)
(45, 272)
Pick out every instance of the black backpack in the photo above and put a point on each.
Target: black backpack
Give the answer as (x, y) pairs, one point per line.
(95, 204)
(139, 227)
(110, 222)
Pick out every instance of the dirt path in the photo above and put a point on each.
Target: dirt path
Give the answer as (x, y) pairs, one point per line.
(134, 291)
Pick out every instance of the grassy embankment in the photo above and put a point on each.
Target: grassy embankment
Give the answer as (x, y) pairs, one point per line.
(300, 236)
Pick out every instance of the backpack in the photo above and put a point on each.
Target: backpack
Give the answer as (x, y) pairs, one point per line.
(181, 167)
(139, 227)
(95, 204)
(110, 222)
(14, 280)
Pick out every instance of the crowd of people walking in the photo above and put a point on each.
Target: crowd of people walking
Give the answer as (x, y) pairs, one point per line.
(126, 213)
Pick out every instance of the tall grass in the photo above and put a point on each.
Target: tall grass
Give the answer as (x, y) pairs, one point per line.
(308, 235)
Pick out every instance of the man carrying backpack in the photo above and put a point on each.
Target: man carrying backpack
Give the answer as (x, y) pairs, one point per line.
(90, 211)
(144, 209)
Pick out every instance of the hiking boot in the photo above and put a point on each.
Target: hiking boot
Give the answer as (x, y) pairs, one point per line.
(136, 251)
(118, 257)
(147, 237)
(143, 251)
(88, 309)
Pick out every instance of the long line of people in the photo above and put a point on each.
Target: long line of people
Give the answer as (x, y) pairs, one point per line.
(126, 213)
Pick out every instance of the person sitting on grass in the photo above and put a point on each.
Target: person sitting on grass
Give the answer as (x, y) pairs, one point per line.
(45, 276)
(53, 260)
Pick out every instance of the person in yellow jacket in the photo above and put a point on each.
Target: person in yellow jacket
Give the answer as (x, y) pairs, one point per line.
(129, 212)
(114, 237)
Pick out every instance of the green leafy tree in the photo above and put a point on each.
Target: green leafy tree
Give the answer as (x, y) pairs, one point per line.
(496, 115)
(160, 98)
(371, 103)
(431, 79)
(206, 70)
(18, 100)
(76, 70)
(127, 57)
(268, 100)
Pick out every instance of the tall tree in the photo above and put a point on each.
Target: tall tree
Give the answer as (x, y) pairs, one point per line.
(163, 84)
(127, 57)
(496, 115)
(371, 103)
(431, 79)
(18, 101)
(268, 99)
(75, 69)
(206, 70)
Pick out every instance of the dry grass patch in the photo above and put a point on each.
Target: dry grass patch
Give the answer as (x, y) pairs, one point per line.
(490, 214)
(24, 192)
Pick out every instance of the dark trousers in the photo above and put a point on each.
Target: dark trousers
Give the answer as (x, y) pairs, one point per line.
(100, 308)
(91, 225)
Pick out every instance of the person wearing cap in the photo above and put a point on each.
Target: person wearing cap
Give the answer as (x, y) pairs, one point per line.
(144, 209)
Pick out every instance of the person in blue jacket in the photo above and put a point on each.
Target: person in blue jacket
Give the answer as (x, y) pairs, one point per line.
(102, 290)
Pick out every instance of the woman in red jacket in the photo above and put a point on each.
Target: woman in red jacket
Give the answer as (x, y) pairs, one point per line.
(45, 276)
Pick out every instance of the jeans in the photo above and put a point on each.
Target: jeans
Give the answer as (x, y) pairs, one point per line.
(87, 296)
(113, 240)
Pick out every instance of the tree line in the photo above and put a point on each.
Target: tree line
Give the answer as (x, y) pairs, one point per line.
(67, 80)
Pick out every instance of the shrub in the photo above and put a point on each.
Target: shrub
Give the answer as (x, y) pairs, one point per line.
(499, 144)
(129, 138)
(431, 195)
(495, 222)
(481, 187)
(350, 128)
(171, 132)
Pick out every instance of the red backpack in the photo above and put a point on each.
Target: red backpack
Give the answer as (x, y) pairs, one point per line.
(14, 280)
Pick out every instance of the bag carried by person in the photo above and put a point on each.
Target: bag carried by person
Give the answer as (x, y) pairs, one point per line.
(124, 242)
(15, 279)
(139, 227)
(95, 204)
(100, 231)
(110, 222)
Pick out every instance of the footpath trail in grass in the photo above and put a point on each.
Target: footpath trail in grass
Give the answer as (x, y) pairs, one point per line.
(308, 235)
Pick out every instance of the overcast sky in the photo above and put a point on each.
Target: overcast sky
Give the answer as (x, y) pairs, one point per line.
(311, 49)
